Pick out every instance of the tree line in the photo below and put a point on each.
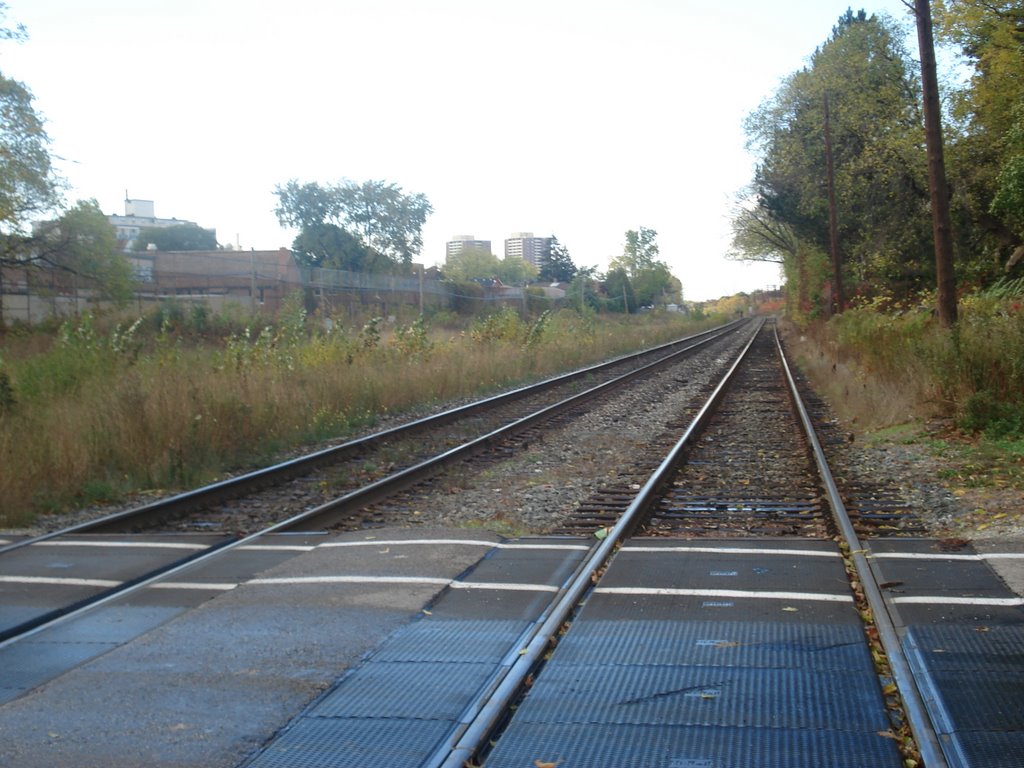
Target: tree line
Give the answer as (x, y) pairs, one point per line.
(841, 193)
(371, 226)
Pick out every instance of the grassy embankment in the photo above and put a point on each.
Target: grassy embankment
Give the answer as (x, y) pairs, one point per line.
(959, 396)
(89, 415)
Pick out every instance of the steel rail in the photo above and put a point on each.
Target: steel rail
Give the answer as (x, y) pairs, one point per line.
(338, 508)
(233, 487)
(487, 711)
(913, 704)
(342, 507)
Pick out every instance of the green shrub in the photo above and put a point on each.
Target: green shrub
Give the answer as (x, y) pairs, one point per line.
(996, 418)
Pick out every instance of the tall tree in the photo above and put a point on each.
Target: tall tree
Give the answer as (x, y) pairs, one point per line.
(936, 167)
(620, 292)
(639, 253)
(331, 247)
(757, 235)
(386, 221)
(1008, 202)
(981, 151)
(879, 171)
(650, 279)
(555, 263)
(28, 184)
(83, 243)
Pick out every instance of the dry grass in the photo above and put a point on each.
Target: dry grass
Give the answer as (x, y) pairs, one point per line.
(95, 417)
(856, 395)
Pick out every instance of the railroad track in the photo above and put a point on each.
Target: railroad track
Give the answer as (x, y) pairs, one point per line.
(745, 477)
(748, 466)
(685, 489)
(333, 488)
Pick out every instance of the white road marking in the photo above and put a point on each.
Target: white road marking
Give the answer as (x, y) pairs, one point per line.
(734, 593)
(946, 600)
(465, 542)
(416, 580)
(946, 556)
(69, 582)
(736, 551)
(503, 586)
(221, 587)
(123, 544)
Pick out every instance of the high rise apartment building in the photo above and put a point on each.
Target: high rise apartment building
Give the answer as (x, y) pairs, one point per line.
(460, 243)
(526, 247)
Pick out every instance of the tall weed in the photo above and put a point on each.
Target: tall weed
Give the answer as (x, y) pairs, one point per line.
(975, 370)
(148, 408)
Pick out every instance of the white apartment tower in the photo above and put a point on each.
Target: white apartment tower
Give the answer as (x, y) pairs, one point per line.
(527, 247)
(460, 243)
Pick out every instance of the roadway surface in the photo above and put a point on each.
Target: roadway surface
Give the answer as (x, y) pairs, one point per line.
(367, 648)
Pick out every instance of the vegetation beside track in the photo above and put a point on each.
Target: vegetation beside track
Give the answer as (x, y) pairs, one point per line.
(894, 377)
(95, 411)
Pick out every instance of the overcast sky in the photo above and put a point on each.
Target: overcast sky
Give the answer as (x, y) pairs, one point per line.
(578, 118)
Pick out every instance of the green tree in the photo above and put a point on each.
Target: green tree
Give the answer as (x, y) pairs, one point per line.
(555, 263)
(332, 247)
(1008, 202)
(305, 205)
(181, 237)
(619, 289)
(512, 270)
(471, 264)
(982, 154)
(657, 286)
(640, 251)
(864, 76)
(759, 236)
(584, 288)
(650, 280)
(28, 184)
(83, 242)
(387, 222)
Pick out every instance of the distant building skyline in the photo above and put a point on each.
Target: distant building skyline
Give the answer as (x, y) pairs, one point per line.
(460, 243)
(527, 247)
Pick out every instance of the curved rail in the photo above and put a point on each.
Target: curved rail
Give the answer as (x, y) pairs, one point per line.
(234, 487)
(325, 514)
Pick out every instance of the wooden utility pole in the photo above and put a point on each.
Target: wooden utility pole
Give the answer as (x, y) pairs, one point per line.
(941, 228)
(838, 299)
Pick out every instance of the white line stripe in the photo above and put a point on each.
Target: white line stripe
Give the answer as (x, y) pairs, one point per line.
(557, 547)
(945, 556)
(123, 544)
(70, 582)
(736, 551)
(736, 593)
(466, 542)
(503, 586)
(396, 542)
(927, 600)
(921, 556)
(417, 580)
(279, 547)
(224, 587)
